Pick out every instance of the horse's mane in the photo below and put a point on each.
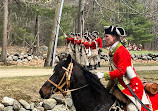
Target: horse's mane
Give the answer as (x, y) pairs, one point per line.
(92, 79)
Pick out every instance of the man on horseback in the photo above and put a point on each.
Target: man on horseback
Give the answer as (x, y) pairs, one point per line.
(123, 74)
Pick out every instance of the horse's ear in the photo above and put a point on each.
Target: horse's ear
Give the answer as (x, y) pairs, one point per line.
(69, 58)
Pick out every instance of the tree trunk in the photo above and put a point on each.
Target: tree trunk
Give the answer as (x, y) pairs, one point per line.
(37, 30)
(79, 16)
(51, 42)
(5, 24)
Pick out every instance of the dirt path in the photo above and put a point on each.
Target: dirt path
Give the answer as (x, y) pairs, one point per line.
(38, 72)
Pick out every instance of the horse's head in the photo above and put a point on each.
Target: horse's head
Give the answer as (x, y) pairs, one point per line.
(57, 82)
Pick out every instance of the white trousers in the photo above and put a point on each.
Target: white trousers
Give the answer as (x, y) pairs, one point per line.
(131, 107)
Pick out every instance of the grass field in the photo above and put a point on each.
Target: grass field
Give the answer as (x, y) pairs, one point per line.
(27, 88)
(143, 52)
(138, 52)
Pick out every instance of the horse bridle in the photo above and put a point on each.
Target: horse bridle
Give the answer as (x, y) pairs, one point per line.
(59, 86)
(67, 73)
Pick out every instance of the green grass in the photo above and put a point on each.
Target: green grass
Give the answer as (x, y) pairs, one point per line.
(23, 67)
(137, 52)
(145, 64)
(143, 52)
(148, 76)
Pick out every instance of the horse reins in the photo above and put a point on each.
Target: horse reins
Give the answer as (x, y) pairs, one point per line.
(59, 86)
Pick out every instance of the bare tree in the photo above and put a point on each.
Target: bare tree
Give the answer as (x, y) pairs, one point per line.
(5, 24)
(52, 39)
(79, 16)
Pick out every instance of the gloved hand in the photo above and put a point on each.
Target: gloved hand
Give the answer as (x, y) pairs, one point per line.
(100, 75)
(106, 75)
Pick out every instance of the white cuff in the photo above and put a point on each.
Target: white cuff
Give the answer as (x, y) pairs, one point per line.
(100, 75)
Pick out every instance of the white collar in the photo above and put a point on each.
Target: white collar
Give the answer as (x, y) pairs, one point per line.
(113, 46)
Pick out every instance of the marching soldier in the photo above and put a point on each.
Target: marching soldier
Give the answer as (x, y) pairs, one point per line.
(70, 43)
(94, 52)
(123, 74)
(86, 51)
(99, 41)
(78, 48)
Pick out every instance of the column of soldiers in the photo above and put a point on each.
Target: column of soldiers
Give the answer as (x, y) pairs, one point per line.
(85, 49)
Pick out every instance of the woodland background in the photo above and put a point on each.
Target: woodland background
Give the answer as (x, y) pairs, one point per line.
(30, 22)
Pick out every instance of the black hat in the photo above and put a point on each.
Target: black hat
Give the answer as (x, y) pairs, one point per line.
(72, 33)
(121, 31)
(78, 34)
(96, 32)
(85, 33)
(87, 38)
(92, 34)
(110, 30)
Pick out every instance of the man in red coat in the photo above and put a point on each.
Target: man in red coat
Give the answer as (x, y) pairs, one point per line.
(121, 70)
(99, 42)
(94, 52)
(70, 44)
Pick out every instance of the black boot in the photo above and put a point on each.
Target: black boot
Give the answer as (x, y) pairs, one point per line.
(98, 64)
(90, 67)
(95, 66)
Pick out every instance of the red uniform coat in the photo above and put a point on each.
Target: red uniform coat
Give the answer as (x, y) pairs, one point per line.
(122, 59)
(86, 44)
(93, 45)
(70, 40)
(99, 41)
(78, 42)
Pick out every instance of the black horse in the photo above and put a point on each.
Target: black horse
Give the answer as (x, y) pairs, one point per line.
(94, 97)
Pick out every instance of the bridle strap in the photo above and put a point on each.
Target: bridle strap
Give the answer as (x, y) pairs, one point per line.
(54, 85)
(67, 73)
(76, 89)
(60, 82)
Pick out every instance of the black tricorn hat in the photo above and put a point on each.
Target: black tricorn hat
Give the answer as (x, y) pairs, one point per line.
(72, 33)
(78, 34)
(92, 34)
(96, 32)
(110, 30)
(121, 31)
(87, 38)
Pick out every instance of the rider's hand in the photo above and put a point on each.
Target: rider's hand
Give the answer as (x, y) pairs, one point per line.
(100, 75)
(105, 75)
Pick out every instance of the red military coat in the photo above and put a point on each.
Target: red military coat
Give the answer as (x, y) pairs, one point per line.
(121, 59)
(93, 45)
(70, 40)
(86, 44)
(78, 42)
(99, 41)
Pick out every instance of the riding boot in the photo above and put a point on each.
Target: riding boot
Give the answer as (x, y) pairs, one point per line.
(95, 66)
(98, 64)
